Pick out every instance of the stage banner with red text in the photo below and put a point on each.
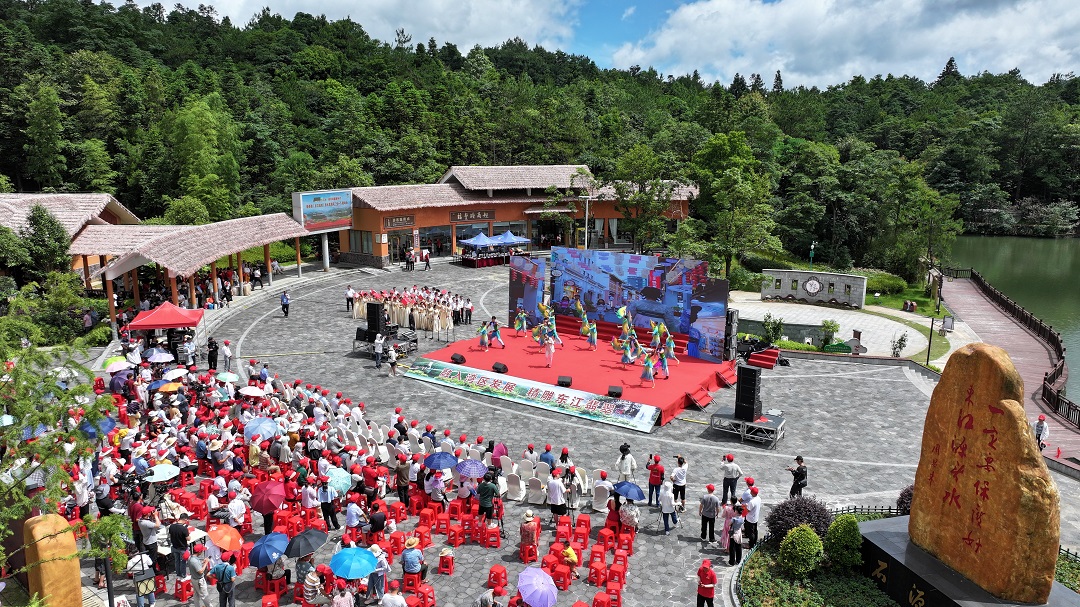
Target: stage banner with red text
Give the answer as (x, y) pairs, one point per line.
(600, 408)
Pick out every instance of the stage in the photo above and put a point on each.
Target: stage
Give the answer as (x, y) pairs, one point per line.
(591, 372)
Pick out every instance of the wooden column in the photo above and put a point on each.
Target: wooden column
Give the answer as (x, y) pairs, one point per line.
(297, 243)
(213, 282)
(135, 286)
(193, 302)
(240, 266)
(101, 263)
(86, 271)
(232, 266)
(172, 289)
(266, 262)
(109, 296)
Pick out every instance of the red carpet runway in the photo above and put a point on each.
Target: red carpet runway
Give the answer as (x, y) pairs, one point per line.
(592, 371)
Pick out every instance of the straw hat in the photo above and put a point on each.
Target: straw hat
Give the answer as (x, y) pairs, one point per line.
(528, 516)
(412, 542)
(215, 445)
(376, 549)
(139, 452)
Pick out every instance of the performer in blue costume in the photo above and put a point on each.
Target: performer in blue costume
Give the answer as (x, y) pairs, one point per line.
(494, 334)
(592, 335)
(628, 354)
(554, 332)
(521, 321)
(483, 333)
(655, 341)
(662, 364)
(647, 371)
(669, 349)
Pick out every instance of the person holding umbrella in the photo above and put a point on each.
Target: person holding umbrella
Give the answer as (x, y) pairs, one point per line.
(377, 578)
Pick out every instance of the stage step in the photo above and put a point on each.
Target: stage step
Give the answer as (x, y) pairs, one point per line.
(765, 359)
(727, 375)
(699, 397)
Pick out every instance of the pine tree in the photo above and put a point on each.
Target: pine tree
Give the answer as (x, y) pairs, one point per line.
(950, 74)
(777, 83)
(46, 242)
(45, 161)
(757, 85)
(738, 86)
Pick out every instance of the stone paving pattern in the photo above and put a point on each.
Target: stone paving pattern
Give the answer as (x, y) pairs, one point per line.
(858, 426)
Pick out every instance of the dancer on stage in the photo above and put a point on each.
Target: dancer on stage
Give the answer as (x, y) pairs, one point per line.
(592, 335)
(647, 374)
(662, 364)
(554, 332)
(669, 349)
(584, 324)
(629, 354)
(521, 321)
(494, 334)
(549, 350)
(656, 330)
(483, 333)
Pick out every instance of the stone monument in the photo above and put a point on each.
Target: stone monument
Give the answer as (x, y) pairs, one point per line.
(53, 567)
(984, 502)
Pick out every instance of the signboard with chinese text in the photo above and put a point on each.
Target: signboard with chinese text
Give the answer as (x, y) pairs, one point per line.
(599, 408)
(398, 221)
(323, 211)
(464, 216)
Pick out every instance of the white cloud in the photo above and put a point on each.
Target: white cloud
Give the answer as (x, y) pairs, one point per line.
(628, 12)
(550, 23)
(823, 42)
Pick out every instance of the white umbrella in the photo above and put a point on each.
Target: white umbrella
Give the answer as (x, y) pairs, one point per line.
(161, 357)
(252, 391)
(118, 365)
(175, 374)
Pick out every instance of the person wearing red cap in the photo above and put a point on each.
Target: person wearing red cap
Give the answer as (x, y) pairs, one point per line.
(706, 587)
(1042, 431)
(708, 509)
(402, 472)
(327, 494)
(530, 454)
(752, 512)
(393, 597)
(732, 474)
(197, 567)
(487, 598)
(548, 457)
(656, 477)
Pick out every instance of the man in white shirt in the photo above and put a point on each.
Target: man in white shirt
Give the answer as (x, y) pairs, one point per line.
(753, 515)
(349, 295)
(227, 354)
(556, 496)
(237, 511)
(732, 473)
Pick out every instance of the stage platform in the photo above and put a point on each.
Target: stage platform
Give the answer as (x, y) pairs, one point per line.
(767, 429)
(591, 372)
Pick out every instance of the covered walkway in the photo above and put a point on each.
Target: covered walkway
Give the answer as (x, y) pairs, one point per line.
(181, 251)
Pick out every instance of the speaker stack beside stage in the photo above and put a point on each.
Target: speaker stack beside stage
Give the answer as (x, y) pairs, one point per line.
(748, 393)
(375, 320)
(731, 334)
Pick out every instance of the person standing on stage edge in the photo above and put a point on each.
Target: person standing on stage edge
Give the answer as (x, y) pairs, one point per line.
(285, 302)
(549, 349)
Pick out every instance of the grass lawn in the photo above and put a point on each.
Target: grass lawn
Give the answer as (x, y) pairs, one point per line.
(938, 348)
(765, 584)
(915, 294)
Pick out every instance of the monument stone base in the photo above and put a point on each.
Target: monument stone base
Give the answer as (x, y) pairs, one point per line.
(912, 576)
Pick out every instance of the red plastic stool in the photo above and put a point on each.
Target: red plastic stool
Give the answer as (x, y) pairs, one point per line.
(205, 469)
(159, 584)
(187, 477)
(277, 586)
(424, 533)
(397, 542)
(270, 600)
(606, 538)
(617, 575)
(243, 560)
(298, 593)
(454, 510)
(412, 582)
(182, 590)
(549, 563)
(398, 512)
(426, 594)
(601, 600)
(597, 554)
(442, 523)
(496, 576)
(446, 564)
(319, 524)
(427, 517)
(564, 533)
(580, 604)
(562, 577)
(412, 601)
(614, 592)
(621, 558)
(557, 550)
(206, 487)
(455, 536)
(597, 574)
(260, 579)
(492, 537)
(626, 542)
(583, 520)
(527, 553)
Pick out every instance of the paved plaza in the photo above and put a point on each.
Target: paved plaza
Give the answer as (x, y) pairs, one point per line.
(857, 425)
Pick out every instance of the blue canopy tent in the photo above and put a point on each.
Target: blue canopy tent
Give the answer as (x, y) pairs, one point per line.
(508, 238)
(480, 240)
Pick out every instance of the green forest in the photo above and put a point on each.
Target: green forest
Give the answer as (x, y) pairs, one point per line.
(187, 117)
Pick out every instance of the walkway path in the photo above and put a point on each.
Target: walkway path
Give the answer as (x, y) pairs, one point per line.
(1033, 357)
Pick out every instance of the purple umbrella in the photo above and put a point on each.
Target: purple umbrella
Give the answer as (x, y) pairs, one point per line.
(537, 588)
(471, 468)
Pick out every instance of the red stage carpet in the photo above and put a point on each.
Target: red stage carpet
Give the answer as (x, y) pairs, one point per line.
(593, 371)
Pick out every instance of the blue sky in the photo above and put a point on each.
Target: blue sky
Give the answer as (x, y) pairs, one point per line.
(812, 42)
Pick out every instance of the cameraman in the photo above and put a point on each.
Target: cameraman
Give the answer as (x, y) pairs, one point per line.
(626, 464)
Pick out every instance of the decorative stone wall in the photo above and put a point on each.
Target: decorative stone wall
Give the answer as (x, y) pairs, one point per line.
(365, 259)
(814, 287)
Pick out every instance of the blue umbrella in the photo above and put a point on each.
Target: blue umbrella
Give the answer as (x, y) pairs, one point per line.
(471, 468)
(103, 426)
(629, 490)
(157, 384)
(263, 426)
(440, 460)
(269, 549)
(353, 563)
(339, 479)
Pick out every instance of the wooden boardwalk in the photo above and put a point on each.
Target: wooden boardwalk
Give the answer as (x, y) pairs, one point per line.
(1032, 356)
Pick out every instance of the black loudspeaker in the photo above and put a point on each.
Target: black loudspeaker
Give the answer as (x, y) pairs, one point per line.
(565, 381)
(457, 359)
(748, 393)
(375, 317)
(614, 391)
(361, 334)
(369, 336)
(499, 368)
(731, 331)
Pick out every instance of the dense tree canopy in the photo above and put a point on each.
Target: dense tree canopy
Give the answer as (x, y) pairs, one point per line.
(157, 105)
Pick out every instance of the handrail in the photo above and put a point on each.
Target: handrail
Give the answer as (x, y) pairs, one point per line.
(1053, 384)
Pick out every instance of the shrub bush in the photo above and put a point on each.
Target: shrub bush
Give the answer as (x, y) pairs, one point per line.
(100, 335)
(741, 279)
(787, 344)
(773, 327)
(756, 263)
(801, 510)
(801, 552)
(878, 281)
(843, 542)
(765, 584)
(903, 502)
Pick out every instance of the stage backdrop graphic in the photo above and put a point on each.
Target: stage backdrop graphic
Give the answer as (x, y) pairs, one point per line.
(528, 281)
(677, 292)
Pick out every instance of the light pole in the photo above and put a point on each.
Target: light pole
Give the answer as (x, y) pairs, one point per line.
(812, 245)
(587, 200)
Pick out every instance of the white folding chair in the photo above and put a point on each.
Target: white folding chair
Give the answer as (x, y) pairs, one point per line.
(542, 472)
(474, 454)
(583, 478)
(429, 447)
(415, 445)
(515, 489)
(536, 493)
(595, 477)
(507, 465)
(487, 458)
(600, 499)
(447, 448)
(383, 432)
(525, 469)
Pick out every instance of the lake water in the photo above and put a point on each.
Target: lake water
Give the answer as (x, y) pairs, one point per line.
(1043, 275)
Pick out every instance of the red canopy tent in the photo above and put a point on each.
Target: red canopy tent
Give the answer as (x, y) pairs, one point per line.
(166, 316)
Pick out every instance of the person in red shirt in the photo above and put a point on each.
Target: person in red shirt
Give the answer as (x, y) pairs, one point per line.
(706, 586)
(371, 478)
(656, 478)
